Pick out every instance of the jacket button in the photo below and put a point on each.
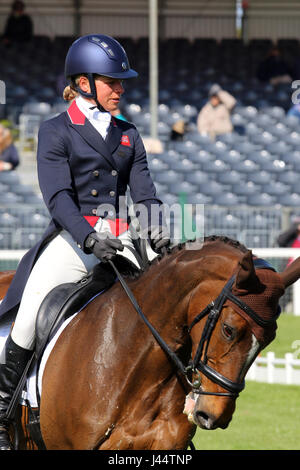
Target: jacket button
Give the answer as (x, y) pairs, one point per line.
(94, 192)
(112, 193)
(96, 173)
(114, 172)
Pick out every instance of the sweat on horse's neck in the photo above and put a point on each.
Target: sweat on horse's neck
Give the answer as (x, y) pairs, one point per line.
(187, 266)
(164, 290)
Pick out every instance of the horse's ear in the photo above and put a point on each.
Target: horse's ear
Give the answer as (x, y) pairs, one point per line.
(246, 278)
(291, 273)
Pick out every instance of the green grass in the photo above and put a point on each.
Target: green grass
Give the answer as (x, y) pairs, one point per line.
(288, 331)
(267, 417)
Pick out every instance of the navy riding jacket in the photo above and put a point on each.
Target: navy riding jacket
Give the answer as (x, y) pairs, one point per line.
(78, 172)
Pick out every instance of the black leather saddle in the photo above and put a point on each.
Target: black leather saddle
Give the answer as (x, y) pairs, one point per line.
(69, 298)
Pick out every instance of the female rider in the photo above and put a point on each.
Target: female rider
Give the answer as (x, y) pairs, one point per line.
(86, 158)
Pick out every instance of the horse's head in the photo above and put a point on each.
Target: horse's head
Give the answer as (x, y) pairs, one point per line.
(228, 335)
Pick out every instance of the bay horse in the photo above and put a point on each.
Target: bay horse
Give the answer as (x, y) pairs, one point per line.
(109, 385)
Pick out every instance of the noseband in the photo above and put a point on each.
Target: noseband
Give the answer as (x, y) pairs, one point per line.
(213, 312)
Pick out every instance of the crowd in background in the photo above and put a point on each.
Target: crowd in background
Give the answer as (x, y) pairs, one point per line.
(214, 116)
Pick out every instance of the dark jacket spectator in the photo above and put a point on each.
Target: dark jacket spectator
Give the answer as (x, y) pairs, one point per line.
(291, 237)
(274, 69)
(178, 130)
(9, 157)
(19, 27)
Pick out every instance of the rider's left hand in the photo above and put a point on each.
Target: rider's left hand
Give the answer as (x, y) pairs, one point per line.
(159, 237)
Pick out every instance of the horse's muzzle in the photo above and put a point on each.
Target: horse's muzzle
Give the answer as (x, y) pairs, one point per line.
(209, 421)
(212, 412)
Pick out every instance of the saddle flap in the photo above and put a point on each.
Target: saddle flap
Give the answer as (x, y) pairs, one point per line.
(67, 299)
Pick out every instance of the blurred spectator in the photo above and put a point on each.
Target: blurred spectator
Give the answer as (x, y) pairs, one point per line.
(274, 69)
(152, 145)
(178, 130)
(291, 237)
(214, 117)
(294, 111)
(19, 27)
(9, 157)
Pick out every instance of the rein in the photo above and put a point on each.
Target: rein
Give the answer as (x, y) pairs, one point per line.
(155, 333)
(212, 311)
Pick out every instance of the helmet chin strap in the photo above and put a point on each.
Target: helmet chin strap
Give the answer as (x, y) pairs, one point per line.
(92, 94)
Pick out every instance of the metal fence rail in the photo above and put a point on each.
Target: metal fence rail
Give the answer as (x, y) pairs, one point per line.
(256, 227)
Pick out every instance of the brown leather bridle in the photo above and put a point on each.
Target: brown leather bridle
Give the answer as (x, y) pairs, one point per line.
(213, 312)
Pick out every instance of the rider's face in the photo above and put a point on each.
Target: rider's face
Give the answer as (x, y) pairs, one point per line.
(109, 91)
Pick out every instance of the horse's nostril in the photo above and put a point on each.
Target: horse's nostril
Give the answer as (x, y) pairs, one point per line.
(202, 415)
(203, 419)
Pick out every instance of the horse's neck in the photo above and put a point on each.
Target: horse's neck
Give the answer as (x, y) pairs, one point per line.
(162, 293)
(170, 282)
(165, 289)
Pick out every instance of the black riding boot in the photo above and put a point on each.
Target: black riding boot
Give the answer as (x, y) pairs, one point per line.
(10, 373)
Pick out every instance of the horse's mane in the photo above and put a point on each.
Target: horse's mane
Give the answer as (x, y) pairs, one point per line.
(227, 241)
(129, 270)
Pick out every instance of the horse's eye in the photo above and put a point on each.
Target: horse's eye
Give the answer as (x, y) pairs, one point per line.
(228, 331)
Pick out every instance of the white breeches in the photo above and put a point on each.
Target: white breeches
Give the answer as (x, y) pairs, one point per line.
(61, 261)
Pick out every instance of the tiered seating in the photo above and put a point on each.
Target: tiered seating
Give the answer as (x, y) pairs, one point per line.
(23, 215)
(186, 71)
(256, 165)
(259, 167)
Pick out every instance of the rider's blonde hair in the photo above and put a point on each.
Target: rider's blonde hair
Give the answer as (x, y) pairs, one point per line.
(69, 93)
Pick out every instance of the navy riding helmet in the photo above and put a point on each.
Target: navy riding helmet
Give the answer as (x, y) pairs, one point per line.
(97, 54)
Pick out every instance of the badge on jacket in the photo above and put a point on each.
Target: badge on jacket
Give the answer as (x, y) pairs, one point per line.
(125, 140)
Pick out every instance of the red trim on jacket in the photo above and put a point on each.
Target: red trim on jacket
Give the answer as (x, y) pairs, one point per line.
(117, 226)
(75, 115)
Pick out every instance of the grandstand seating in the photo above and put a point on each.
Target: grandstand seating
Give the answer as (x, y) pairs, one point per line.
(257, 165)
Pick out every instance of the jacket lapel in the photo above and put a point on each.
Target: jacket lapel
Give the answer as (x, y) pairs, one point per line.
(113, 137)
(81, 124)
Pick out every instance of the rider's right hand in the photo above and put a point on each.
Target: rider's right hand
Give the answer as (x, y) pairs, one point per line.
(103, 246)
